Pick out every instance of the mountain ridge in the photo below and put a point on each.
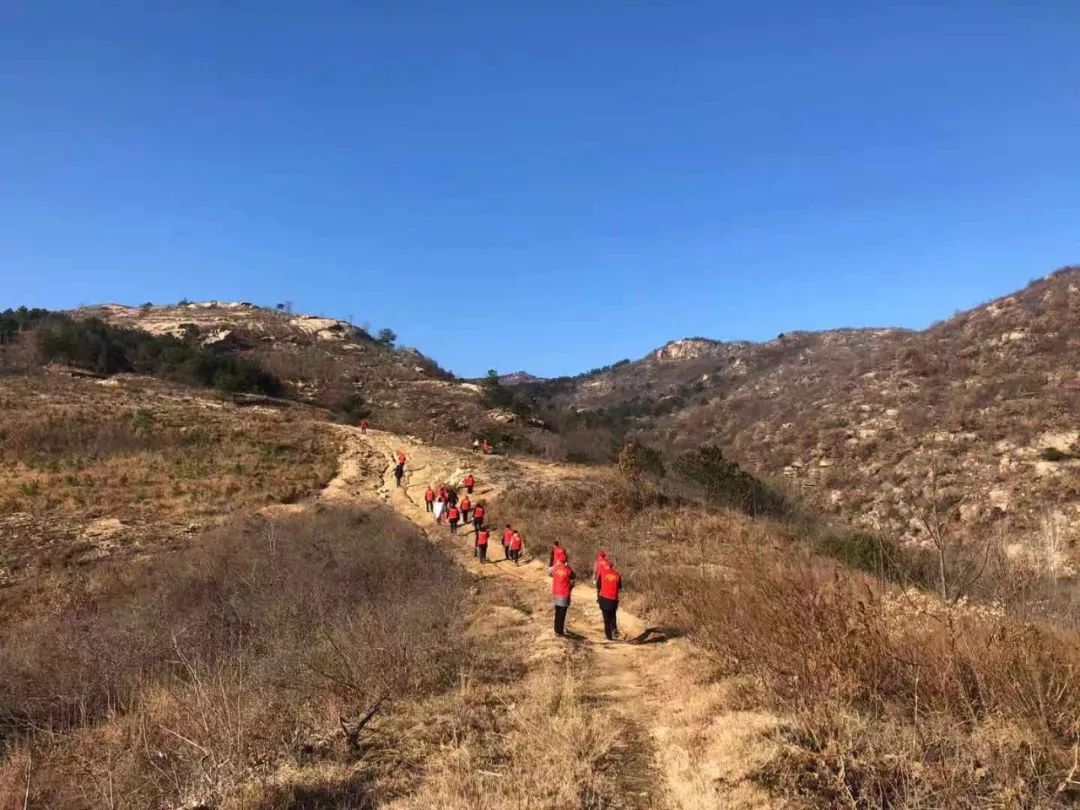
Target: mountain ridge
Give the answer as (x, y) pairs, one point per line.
(854, 420)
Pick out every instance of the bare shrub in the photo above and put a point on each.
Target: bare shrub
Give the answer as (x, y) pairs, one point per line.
(218, 662)
(896, 698)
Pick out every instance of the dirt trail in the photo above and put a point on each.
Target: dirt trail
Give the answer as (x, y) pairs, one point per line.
(680, 747)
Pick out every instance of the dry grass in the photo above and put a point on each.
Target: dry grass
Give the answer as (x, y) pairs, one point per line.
(220, 677)
(895, 699)
(199, 676)
(146, 461)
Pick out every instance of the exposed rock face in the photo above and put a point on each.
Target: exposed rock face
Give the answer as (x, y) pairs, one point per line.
(687, 349)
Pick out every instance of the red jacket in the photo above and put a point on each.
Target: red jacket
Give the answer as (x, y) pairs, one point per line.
(515, 541)
(610, 583)
(558, 555)
(466, 504)
(478, 512)
(482, 537)
(429, 496)
(469, 481)
(562, 580)
(453, 514)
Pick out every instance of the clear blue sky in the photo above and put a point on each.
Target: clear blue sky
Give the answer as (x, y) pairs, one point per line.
(541, 185)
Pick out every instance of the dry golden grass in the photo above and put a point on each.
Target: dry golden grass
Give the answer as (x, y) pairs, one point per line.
(217, 677)
(894, 699)
(89, 470)
(203, 676)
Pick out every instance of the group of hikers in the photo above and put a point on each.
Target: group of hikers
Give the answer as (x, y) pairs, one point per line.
(453, 510)
(448, 507)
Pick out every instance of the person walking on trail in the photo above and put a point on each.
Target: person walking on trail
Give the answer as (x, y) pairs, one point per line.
(453, 516)
(515, 547)
(478, 516)
(562, 583)
(466, 506)
(476, 445)
(469, 483)
(508, 532)
(451, 497)
(363, 427)
(439, 508)
(482, 545)
(485, 448)
(429, 499)
(399, 473)
(608, 587)
(558, 554)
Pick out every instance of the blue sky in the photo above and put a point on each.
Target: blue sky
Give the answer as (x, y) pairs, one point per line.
(541, 185)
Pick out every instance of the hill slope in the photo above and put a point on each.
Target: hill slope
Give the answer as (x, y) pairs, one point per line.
(326, 361)
(857, 420)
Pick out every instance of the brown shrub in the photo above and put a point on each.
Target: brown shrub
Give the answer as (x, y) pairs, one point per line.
(895, 700)
(181, 680)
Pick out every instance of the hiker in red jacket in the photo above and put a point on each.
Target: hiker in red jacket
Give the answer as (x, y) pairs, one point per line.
(453, 515)
(508, 532)
(514, 549)
(478, 516)
(469, 482)
(465, 506)
(429, 499)
(482, 545)
(558, 554)
(485, 448)
(608, 588)
(363, 427)
(562, 583)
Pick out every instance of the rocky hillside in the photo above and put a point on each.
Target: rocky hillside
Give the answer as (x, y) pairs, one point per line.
(332, 363)
(852, 421)
(857, 420)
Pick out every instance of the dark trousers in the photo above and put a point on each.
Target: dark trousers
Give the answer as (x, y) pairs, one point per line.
(483, 552)
(465, 515)
(560, 619)
(515, 554)
(469, 489)
(430, 506)
(453, 526)
(608, 607)
(478, 523)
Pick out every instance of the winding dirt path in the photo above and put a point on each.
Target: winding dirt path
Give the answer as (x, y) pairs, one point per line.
(681, 748)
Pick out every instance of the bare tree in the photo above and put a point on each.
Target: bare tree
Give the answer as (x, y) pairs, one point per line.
(959, 564)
